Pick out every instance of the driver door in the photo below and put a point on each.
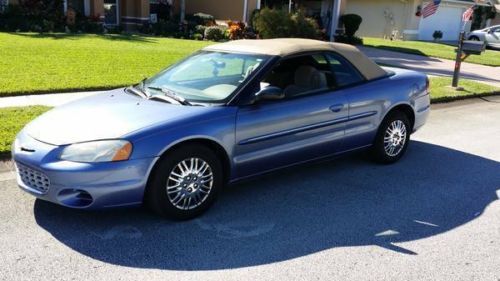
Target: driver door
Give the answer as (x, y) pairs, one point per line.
(276, 133)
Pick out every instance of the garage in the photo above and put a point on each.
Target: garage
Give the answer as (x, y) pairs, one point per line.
(448, 19)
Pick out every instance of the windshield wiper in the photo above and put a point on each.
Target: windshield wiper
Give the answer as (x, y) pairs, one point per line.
(171, 94)
(137, 92)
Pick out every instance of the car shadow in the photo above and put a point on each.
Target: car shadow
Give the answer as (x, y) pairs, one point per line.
(293, 213)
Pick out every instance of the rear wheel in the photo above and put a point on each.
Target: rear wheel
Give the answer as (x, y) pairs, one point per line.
(185, 183)
(474, 38)
(392, 138)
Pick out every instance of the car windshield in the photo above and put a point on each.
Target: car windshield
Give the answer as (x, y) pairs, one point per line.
(205, 76)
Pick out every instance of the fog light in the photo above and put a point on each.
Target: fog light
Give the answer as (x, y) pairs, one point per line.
(75, 198)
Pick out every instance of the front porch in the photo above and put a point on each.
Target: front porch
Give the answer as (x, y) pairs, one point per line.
(128, 13)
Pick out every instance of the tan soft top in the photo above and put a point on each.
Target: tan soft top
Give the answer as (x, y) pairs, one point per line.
(291, 46)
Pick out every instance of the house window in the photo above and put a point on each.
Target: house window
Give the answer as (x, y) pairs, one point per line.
(111, 12)
(159, 10)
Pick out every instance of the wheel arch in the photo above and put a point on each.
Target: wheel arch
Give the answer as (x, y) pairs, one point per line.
(404, 108)
(212, 144)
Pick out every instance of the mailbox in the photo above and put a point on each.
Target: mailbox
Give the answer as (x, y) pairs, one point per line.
(473, 47)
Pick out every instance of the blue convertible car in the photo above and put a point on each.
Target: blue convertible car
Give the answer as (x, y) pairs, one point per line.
(227, 112)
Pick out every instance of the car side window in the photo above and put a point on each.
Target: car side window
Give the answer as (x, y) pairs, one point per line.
(301, 75)
(344, 73)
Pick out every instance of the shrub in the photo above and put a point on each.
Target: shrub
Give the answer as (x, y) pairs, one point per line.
(214, 33)
(197, 36)
(304, 27)
(165, 28)
(200, 29)
(253, 15)
(87, 25)
(113, 29)
(273, 23)
(354, 40)
(438, 34)
(249, 33)
(33, 15)
(201, 19)
(351, 23)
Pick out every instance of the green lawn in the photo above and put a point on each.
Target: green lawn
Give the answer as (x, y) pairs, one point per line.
(13, 120)
(37, 63)
(429, 49)
(441, 90)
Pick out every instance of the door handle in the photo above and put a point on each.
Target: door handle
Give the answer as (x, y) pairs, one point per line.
(336, 107)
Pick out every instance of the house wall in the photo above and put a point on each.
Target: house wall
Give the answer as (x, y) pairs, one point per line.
(381, 17)
(223, 10)
(134, 13)
(97, 8)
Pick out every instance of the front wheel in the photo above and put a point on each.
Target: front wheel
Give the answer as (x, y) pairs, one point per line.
(185, 182)
(392, 138)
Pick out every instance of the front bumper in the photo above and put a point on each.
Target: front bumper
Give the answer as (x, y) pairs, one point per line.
(78, 185)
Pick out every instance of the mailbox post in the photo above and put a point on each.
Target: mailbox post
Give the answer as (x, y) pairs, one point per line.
(465, 49)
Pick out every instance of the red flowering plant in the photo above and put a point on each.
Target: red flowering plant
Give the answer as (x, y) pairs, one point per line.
(236, 30)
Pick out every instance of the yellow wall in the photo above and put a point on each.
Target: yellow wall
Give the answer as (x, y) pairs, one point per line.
(382, 16)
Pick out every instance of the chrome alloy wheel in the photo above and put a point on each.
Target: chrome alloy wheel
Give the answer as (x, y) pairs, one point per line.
(189, 183)
(395, 138)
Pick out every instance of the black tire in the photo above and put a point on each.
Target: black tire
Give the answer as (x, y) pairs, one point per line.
(378, 151)
(156, 196)
(474, 38)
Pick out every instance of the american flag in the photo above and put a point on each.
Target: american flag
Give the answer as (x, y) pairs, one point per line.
(430, 8)
(466, 16)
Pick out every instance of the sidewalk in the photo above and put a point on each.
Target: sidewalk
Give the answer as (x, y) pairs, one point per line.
(46, 99)
(434, 66)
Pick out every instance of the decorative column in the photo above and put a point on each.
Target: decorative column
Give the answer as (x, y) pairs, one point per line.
(335, 18)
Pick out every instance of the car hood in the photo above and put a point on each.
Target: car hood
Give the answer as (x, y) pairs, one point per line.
(108, 115)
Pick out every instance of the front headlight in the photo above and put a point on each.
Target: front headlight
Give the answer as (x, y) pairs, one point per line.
(98, 151)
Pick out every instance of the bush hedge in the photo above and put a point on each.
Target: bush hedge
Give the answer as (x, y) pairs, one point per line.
(275, 23)
(215, 33)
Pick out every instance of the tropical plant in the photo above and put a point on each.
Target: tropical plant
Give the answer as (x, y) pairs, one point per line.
(437, 35)
(351, 23)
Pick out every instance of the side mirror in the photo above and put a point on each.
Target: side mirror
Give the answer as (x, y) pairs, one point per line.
(270, 93)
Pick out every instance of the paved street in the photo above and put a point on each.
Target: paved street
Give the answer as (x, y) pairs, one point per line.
(435, 66)
(435, 215)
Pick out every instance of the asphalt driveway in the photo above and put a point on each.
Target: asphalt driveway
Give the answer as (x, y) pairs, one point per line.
(435, 215)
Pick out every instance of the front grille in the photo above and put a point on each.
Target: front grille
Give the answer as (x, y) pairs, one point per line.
(33, 179)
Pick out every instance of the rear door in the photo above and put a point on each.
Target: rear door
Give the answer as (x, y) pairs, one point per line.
(273, 134)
